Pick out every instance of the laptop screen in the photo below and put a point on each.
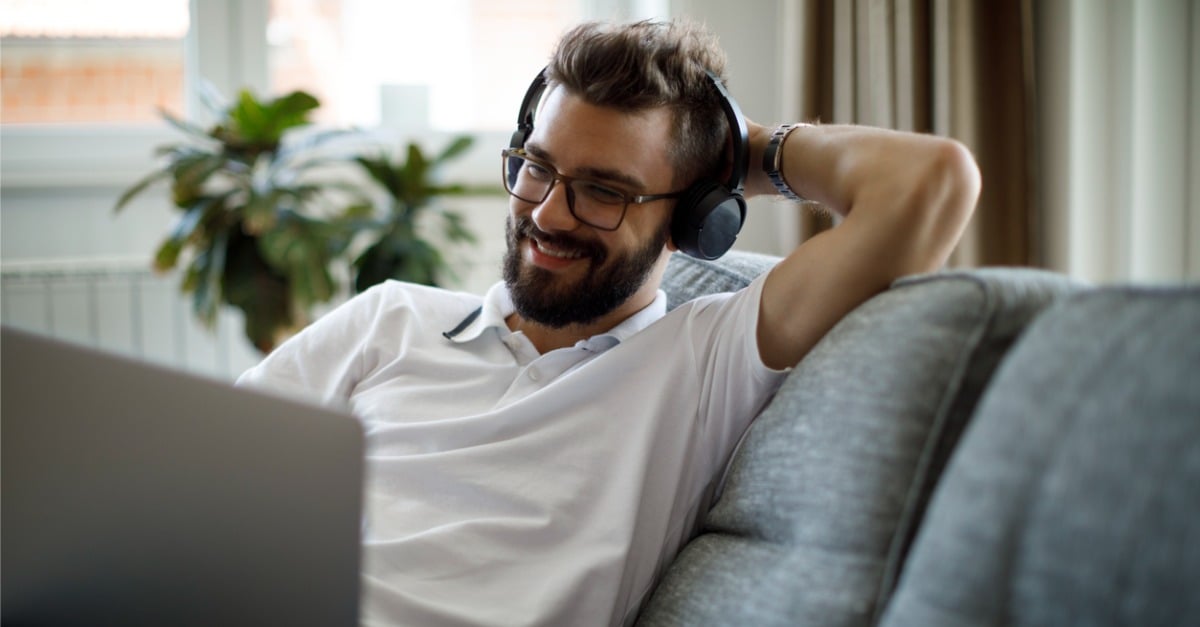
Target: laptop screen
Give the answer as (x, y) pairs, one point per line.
(138, 495)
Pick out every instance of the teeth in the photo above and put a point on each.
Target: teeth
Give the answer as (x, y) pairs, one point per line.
(560, 254)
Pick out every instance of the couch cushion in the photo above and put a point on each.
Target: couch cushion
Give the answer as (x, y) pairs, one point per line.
(833, 476)
(1074, 497)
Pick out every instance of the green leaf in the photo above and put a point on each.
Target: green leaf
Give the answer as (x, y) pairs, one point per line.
(276, 247)
(375, 265)
(248, 119)
(414, 173)
(456, 228)
(293, 108)
(261, 292)
(204, 276)
(291, 111)
(191, 276)
(213, 100)
(453, 189)
(140, 187)
(168, 252)
(205, 300)
(358, 211)
(456, 148)
(300, 250)
(482, 190)
(183, 125)
(385, 173)
(261, 125)
(190, 174)
(311, 283)
(311, 141)
(260, 213)
(398, 256)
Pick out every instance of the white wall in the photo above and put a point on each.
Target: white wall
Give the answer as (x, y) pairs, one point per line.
(752, 32)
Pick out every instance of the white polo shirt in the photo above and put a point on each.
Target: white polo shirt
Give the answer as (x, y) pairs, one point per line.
(507, 487)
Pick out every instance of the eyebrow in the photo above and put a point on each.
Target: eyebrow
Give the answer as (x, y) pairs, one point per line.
(615, 176)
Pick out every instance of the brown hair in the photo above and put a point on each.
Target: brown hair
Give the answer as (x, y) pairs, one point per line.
(643, 65)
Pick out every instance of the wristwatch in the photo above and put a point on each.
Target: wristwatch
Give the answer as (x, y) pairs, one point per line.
(773, 160)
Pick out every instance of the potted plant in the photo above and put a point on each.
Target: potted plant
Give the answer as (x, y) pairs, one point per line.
(399, 252)
(260, 228)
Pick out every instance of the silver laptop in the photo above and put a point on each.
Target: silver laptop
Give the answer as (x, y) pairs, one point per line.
(134, 495)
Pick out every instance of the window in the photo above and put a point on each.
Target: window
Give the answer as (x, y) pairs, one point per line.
(414, 64)
(418, 67)
(82, 62)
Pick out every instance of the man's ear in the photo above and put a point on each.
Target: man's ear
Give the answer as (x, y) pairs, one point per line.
(670, 246)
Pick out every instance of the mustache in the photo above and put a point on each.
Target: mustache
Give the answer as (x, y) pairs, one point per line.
(523, 227)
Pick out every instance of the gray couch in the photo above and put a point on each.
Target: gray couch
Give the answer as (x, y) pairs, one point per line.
(984, 447)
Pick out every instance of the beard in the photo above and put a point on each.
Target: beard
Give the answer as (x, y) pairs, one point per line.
(543, 297)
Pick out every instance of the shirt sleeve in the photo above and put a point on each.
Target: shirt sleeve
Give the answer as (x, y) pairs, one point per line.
(323, 362)
(735, 384)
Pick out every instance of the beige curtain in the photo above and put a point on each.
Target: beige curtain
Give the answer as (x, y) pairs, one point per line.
(955, 68)
(1119, 113)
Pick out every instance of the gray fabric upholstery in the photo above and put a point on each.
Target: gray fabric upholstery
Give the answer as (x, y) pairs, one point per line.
(831, 480)
(687, 277)
(1074, 497)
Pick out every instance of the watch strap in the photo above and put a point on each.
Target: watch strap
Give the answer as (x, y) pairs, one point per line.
(773, 160)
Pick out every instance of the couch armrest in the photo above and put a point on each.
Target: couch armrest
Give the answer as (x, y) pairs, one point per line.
(1072, 499)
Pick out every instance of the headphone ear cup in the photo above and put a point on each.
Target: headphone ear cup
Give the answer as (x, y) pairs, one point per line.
(707, 219)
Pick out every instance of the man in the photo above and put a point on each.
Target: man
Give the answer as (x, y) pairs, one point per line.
(538, 455)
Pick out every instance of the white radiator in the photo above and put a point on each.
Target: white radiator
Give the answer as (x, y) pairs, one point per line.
(122, 306)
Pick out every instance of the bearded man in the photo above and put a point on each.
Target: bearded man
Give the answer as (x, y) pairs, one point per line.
(537, 455)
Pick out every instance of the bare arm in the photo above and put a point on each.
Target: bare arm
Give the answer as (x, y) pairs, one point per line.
(906, 199)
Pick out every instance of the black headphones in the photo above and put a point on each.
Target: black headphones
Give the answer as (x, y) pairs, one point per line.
(709, 214)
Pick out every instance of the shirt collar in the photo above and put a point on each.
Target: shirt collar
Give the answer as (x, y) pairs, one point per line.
(497, 307)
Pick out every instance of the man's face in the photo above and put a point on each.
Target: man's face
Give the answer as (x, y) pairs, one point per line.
(561, 271)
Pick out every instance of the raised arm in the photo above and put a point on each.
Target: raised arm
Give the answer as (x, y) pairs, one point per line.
(905, 199)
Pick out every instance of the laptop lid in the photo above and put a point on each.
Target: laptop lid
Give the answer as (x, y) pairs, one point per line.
(136, 495)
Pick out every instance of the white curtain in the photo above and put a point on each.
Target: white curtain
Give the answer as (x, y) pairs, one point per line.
(1083, 115)
(1119, 110)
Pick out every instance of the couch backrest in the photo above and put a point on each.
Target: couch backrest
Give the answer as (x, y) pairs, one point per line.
(1074, 497)
(687, 277)
(829, 484)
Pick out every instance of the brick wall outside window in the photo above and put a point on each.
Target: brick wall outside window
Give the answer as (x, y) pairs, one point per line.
(61, 80)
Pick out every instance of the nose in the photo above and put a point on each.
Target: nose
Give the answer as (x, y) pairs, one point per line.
(554, 214)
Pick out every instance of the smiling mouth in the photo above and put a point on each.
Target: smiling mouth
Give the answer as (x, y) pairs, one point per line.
(545, 249)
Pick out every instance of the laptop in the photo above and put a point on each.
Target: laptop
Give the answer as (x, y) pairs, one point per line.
(137, 495)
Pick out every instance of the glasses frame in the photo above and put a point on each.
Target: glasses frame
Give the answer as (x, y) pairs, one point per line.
(556, 176)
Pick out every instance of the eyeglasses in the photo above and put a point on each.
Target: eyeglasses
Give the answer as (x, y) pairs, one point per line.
(592, 203)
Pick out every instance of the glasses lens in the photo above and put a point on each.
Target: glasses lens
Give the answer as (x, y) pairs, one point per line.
(512, 166)
(590, 202)
(526, 179)
(597, 204)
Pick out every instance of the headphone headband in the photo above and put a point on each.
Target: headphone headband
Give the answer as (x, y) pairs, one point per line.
(740, 131)
(528, 107)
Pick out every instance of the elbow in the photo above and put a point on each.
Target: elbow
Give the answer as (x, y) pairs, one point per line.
(942, 205)
(953, 192)
(960, 178)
